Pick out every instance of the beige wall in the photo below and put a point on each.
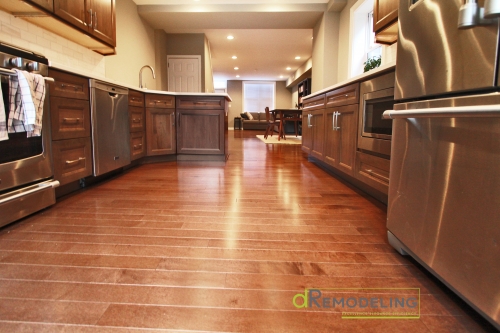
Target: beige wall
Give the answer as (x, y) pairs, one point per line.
(161, 60)
(188, 44)
(209, 77)
(135, 48)
(344, 35)
(325, 51)
(235, 90)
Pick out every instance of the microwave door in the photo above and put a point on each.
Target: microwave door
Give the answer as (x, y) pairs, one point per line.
(435, 57)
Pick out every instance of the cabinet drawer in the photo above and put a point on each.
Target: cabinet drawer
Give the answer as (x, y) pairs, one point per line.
(137, 145)
(72, 159)
(136, 120)
(191, 102)
(315, 103)
(160, 101)
(343, 96)
(69, 85)
(70, 118)
(135, 98)
(373, 171)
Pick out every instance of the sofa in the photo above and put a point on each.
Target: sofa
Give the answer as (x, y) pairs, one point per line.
(259, 123)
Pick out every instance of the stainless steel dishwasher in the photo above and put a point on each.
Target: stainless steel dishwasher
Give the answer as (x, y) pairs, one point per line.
(110, 127)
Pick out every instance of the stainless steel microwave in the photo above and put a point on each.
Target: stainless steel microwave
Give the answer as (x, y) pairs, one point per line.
(377, 96)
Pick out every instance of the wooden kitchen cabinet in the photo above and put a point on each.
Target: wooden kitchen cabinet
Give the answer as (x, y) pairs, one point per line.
(313, 126)
(373, 170)
(46, 4)
(340, 137)
(201, 125)
(385, 21)
(96, 17)
(70, 126)
(160, 131)
(137, 121)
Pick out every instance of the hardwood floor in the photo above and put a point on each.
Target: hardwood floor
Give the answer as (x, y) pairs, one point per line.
(180, 247)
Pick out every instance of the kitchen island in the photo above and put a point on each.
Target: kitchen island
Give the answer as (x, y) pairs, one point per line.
(163, 126)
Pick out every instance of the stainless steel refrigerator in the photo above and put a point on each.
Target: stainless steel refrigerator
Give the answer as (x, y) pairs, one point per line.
(444, 189)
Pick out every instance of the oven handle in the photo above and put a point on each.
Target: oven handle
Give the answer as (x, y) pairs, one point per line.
(10, 72)
(38, 188)
(448, 112)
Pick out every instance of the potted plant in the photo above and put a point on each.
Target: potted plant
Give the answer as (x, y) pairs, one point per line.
(372, 63)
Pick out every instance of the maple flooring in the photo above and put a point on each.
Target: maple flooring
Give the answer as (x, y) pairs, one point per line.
(211, 247)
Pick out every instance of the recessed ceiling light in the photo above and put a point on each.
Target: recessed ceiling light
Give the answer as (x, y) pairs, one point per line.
(297, 58)
(236, 68)
(230, 37)
(234, 57)
(237, 76)
(281, 76)
(288, 68)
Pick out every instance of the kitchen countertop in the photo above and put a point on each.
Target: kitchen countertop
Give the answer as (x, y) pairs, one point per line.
(362, 77)
(121, 84)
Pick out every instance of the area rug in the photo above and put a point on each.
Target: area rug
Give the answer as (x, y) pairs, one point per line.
(290, 140)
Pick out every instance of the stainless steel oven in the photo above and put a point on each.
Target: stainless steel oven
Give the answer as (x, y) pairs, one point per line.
(26, 175)
(377, 95)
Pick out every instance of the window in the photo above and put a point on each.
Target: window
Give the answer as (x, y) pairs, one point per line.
(362, 38)
(257, 95)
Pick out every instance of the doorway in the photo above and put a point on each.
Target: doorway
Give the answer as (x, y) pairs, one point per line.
(184, 73)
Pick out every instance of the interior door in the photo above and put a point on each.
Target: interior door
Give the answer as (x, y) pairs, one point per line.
(184, 73)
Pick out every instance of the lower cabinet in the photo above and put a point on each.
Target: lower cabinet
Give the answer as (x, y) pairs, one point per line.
(72, 159)
(200, 132)
(373, 170)
(313, 133)
(341, 125)
(160, 131)
(137, 145)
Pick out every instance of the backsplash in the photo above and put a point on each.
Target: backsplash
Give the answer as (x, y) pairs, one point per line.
(58, 50)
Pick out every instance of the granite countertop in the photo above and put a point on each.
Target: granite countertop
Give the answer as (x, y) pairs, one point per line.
(362, 77)
(121, 84)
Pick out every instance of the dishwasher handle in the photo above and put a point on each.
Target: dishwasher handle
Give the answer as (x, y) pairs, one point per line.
(447, 112)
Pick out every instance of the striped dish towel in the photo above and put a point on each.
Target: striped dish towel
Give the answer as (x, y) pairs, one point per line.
(3, 121)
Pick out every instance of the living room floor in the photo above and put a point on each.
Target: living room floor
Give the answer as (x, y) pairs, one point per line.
(212, 247)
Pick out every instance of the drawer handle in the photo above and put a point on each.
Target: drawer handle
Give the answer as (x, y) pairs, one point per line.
(376, 175)
(64, 85)
(139, 146)
(76, 161)
(158, 101)
(136, 120)
(71, 120)
(201, 103)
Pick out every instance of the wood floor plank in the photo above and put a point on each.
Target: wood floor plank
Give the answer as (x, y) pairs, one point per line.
(211, 247)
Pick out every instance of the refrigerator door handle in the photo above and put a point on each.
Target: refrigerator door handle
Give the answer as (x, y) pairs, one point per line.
(448, 112)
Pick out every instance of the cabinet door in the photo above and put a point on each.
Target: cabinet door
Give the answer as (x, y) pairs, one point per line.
(318, 132)
(103, 21)
(306, 132)
(340, 137)
(385, 17)
(47, 4)
(160, 131)
(73, 12)
(200, 132)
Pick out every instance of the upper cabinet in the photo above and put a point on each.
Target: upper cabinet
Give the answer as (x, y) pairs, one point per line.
(76, 20)
(97, 17)
(385, 21)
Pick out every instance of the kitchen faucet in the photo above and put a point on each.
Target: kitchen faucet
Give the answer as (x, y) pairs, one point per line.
(140, 75)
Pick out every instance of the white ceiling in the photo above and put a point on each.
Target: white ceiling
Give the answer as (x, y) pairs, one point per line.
(268, 34)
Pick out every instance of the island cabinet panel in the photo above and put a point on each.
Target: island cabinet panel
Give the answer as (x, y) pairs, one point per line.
(160, 131)
(200, 132)
(199, 102)
(306, 132)
(160, 101)
(313, 126)
(340, 137)
(318, 133)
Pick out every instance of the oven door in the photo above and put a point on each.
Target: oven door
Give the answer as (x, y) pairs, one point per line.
(23, 160)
